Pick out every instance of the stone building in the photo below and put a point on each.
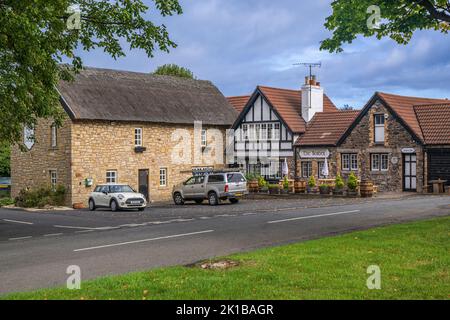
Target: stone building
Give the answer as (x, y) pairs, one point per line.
(391, 141)
(143, 130)
(270, 121)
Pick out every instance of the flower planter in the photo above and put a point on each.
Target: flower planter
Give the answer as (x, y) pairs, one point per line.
(366, 188)
(253, 185)
(324, 190)
(300, 186)
(338, 192)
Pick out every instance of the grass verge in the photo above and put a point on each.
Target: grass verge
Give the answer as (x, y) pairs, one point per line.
(414, 260)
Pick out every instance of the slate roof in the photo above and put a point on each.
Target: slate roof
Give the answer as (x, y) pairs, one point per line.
(326, 128)
(434, 121)
(101, 94)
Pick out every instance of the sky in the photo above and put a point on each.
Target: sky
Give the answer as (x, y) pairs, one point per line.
(239, 44)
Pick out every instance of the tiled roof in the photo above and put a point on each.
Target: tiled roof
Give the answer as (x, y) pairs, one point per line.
(288, 105)
(326, 128)
(434, 120)
(238, 102)
(404, 107)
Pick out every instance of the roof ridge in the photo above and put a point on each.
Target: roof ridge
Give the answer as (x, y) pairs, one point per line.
(243, 96)
(276, 88)
(410, 97)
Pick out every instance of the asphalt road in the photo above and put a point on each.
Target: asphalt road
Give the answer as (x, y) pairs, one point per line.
(37, 248)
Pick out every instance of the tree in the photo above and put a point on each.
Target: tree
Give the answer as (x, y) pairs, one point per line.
(174, 70)
(384, 18)
(37, 36)
(5, 160)
(347, 107)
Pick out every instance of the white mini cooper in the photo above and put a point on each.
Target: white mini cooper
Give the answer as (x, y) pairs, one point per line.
(116, 197)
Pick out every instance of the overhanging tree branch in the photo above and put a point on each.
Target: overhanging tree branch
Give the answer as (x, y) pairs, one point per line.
(434, 12)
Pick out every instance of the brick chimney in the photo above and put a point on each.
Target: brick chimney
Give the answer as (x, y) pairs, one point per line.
(312, 98)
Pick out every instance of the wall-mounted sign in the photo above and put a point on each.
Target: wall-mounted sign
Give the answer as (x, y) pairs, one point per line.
(314, 153)
(408, 150)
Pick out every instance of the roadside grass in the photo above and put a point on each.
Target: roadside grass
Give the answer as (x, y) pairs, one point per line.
(414, 259)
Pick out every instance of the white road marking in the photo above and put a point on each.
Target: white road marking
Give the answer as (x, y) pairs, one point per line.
(84, 231)
(20, 238)
(53, 234)
(71, 227)
(249, 214)
(315, 216)
(16, 221)
(144, 240)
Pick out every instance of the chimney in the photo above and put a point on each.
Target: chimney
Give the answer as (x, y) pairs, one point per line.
(312, 98)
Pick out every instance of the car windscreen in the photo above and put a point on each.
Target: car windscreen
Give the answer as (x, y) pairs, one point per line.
(235, 177)
(117, 189)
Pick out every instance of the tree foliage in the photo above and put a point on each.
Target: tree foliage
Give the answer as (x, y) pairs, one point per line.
(36, 36)
(5, 153)
(398, 20)
(174, 70)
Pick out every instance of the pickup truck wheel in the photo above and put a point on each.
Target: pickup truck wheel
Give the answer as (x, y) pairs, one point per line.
(114, 206)
(92, 205)
(213, 199)
(234, 200)
(178, 199)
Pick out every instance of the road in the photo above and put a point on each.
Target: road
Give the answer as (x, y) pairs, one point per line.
(37, 248)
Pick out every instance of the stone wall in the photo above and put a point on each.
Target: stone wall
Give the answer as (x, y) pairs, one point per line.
(101, 146)
(361, 141)
(31, 169)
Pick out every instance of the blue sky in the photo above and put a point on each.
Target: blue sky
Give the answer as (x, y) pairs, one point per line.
(239, 44)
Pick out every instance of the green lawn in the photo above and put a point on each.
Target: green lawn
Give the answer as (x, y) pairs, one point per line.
(414, 259)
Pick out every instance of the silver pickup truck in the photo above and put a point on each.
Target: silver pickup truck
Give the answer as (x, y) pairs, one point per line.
(214, 187)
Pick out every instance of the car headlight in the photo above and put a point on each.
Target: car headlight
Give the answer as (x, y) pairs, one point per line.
(121, 197)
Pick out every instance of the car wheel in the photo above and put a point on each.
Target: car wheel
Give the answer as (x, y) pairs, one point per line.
(213, 199)
(114, 206)
(199, 201)
(178, 199)
(92, 205)
(234, 200)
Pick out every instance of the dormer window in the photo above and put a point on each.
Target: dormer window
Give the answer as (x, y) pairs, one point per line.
(379, 128)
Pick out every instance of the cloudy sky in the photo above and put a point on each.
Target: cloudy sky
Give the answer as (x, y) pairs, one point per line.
(239, 44)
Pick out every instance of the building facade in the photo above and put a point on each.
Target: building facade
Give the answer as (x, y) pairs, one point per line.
(384, 143)
(146, 131)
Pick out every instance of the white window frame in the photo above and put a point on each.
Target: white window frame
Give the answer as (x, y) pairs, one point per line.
(276, 131)
(379, 134)
(53, 178)
(377, 160)
(204, 138)
(263, 132)
(111, 176)
(54, 136)
(138, 141)
(320, 165)
(244, 132)
(309, 173)
(352, 162)
(251, 132)
(163, 177)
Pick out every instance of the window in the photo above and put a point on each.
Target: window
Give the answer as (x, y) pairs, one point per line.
(53, 179)
(263, 135)
(379, 128)
(306, 169)
(349, 162)
(320, 167)
(54, 135)
(251, 132)
(216, 178)
(235, 177)
(111, 176)
(138, 137)
(163, 177)
(276, 132)
(244, 132)
(380, 162)
(204, 138)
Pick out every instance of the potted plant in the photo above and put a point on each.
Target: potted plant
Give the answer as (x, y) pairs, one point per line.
(285, 184)
(252, 182)
(262, 184)
(338, 186)
(274, 188)
(312, 185)
(352, 184)
(324, 189)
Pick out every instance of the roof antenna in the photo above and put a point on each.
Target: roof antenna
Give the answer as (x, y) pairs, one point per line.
(310, 65)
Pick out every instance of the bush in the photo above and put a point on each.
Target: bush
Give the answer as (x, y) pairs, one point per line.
(41, 197)
(250, 176)
(274, 186)
(312, 182)
(6, 202)
(339, 183)
(352, 182)
(324, 186)
(262, 183)
(285, 183)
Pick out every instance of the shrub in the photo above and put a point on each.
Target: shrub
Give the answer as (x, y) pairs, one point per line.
(40, 197)
(274, 186)
(285, 183)
(6, 202)
(324, 186)
(352, 182)
(312, 182)
(250, 176)
(339, 183)
(262, 183)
